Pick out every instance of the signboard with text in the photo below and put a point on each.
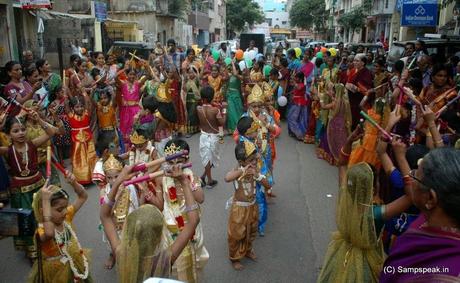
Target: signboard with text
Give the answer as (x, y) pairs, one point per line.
(419, 13)
(100, 11)
(35, 4)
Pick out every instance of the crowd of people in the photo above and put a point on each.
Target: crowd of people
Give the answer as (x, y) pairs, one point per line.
(123, 122)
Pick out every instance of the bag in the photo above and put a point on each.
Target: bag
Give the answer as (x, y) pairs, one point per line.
(17, 222)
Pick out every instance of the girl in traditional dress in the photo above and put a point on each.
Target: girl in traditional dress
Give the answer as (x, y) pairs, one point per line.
(62, 141)
(339, 124)
(234, 98)
(356, 247)
(34, 130)
(195, 256)
(106, 110)
(215, 81)
(126, 200)
(83, 154)
(81, 80)
(61, 257)
(26, 179)
(174, 91)
(51, 81)
(130, 94)
(141, 255)
(192, 88)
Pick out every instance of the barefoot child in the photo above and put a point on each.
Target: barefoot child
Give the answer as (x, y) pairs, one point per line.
(244, 213)
(210, 120)
(61, 258)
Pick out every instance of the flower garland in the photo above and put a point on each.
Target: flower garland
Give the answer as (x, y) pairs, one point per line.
(174, 204)
(62, 242)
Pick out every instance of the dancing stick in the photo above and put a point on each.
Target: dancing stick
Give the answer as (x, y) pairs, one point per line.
(78, 78)
(63, 78)
(447, 105)
(411, 63)
(144, 166)
(151, 176)
(135, 56)
(375, 124)
(48, 162)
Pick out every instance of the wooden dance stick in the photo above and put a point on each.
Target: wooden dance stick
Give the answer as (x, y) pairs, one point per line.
(48, 162)
(411, 63)
(375, 124)
(59, 167)
(144, 166)
(135, 56)
(78, 78)
(151, 176)
(447, 105)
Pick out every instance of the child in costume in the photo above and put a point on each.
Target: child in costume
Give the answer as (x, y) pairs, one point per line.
(83, 151)
(61, 257)
(192, 89)
(106, 116)
(165, 115)
(25, 178)
(244, 213)
(298, 112)
(211, 120)
(126, 200)
(248, 130)
(142, 150)
(195, 256)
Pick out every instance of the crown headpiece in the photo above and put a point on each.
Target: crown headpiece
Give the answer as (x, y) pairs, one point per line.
(249, 147)
(163, 93)
(256, 95)
(112, 164)
(172, 149)
(135, 138)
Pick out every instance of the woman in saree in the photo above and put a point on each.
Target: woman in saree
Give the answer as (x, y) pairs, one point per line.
(192, 89)
(26, 179)
(357, 85)
(140, 252)
(433, 240)
(16, 88)
(234, 98)
(339, 125)
(356, 249)
(51, 81)
(330, 77)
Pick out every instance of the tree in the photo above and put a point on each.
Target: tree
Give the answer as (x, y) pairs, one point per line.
(353, 19)
(240, 12)
(309, 13)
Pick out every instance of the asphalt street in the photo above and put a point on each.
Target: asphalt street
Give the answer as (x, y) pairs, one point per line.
(300, 222)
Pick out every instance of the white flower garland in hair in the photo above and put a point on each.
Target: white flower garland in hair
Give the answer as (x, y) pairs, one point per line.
(62, 241)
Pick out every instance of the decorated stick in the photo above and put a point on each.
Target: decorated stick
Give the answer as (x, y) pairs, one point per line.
(57, 164)
(135, 56)
(144, 166)
(401, 94)
(48, 162)
(78, 78)
(411, 63)
(63, 78)
(151, 176)
(447, 105)
(375, 124)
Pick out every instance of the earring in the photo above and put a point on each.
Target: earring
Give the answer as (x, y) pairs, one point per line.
(427, 206)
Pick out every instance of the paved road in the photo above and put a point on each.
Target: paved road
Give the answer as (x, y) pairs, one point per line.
(300, 221)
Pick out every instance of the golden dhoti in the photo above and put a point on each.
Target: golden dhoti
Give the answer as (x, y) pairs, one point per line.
(242, 228)
(83, 159)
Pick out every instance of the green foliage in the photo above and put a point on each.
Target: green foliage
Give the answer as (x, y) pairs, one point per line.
(240, 12)
(353, 19)
(177, 7)
(308, 13)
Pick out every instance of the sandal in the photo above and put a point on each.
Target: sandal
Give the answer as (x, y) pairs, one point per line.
(212, 184)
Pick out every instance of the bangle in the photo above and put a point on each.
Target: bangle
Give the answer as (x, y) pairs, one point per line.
(440, 142)
(45, 125)
(108, 201)
(191, 208)
(343, 153)
(428, 135)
